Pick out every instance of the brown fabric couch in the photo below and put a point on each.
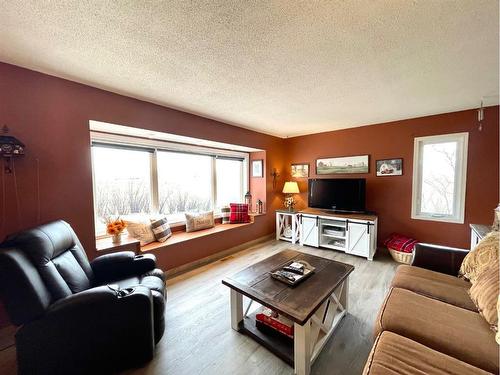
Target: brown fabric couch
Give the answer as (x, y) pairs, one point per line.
(428, 323)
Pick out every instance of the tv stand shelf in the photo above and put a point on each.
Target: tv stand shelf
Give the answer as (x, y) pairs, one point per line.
(339, 215)
(354, 234)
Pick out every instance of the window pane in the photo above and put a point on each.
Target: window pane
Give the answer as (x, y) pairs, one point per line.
(122, 183)
(184, 183)
(229, 181)
(438, 178)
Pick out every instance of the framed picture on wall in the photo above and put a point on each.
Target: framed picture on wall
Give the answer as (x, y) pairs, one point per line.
(343, 165)
(258, 168)
(389, 167)
(300, 170)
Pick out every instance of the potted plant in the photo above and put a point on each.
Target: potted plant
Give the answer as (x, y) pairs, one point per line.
(115, 228)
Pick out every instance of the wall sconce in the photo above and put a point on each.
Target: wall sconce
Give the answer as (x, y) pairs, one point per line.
(10, 147)
(274, 175)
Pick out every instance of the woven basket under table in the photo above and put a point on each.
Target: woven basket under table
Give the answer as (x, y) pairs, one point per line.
(401, 257)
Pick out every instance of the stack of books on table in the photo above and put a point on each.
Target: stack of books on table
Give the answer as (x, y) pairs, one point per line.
(270, 321)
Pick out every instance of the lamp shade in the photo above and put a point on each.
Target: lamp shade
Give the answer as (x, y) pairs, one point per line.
(291, 187)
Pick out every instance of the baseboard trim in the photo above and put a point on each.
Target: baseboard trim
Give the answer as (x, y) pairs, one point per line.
(215, 257)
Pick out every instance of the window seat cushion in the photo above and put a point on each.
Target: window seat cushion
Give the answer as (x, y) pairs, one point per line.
(178, 237)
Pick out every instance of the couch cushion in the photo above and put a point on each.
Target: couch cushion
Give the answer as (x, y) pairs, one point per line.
(451, 330)
(395, 355)
(154, 280)
(446, 288)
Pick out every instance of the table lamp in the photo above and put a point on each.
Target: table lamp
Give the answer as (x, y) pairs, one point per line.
(289, 189)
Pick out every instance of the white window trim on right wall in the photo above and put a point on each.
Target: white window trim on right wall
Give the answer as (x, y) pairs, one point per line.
(460, 177)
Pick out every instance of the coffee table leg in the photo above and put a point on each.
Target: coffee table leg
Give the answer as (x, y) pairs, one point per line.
(302, 348)
(236, 309)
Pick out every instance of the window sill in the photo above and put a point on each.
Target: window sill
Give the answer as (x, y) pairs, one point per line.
(179, 237)
(450, 220)
(254, 214)
(106, 245)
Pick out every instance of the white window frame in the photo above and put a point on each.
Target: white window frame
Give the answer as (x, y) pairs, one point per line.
(154, 146)
(458, 215)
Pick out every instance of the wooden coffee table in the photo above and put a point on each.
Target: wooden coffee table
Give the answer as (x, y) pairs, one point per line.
(316, 306)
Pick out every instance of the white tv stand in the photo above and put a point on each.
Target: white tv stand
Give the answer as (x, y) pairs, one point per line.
(354, 234)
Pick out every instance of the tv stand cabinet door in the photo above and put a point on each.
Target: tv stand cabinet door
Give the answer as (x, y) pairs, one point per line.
(309, 231)
(358, 239)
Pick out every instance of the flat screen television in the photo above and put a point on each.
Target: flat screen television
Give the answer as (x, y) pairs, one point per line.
(337, 194)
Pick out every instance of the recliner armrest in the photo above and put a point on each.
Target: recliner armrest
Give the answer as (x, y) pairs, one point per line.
(92, 330)
(120, 265)
(439, 258)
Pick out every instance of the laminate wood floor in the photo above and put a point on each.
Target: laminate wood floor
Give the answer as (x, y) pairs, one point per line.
(199, 340)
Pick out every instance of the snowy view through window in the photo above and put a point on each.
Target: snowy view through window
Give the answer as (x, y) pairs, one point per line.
(125, 179)
(438, 178)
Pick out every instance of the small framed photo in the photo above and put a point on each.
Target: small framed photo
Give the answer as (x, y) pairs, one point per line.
(390, 167)
(258, 168)
(300, 170)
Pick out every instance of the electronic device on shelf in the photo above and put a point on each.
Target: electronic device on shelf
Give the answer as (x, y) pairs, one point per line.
(293, 272)
(334, 232)
(337, 194)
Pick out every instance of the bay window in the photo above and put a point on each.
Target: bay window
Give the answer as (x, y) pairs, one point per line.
(184, 183)
(140, 181)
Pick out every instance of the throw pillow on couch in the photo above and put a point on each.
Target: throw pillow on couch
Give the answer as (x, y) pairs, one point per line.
(481, 267)
(484, 294)
(481, 258)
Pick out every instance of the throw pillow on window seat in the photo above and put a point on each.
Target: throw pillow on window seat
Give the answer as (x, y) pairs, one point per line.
(198, 221)
(225, 213)
(161, 229)
(141, 231)
(239, 213)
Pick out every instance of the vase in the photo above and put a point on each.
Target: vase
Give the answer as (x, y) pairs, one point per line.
(116, 238)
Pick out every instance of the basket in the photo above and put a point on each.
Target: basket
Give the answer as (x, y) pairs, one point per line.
(401, 257)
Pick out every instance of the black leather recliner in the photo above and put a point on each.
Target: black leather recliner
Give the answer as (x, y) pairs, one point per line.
(76, 316)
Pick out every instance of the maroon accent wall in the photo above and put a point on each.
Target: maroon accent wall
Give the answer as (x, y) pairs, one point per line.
(390, 197)
(51, 116)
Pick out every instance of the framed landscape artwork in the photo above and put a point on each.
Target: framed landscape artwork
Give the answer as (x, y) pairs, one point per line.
(342, 165)
(258, 168)
(389, 167)
(300, 170)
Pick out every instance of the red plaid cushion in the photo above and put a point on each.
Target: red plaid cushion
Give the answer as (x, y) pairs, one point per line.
(400, 243)
(239, 213)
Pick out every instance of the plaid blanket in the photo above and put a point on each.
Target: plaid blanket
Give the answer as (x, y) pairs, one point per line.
(401, 243)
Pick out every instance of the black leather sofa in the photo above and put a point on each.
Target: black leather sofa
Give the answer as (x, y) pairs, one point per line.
(76, 316)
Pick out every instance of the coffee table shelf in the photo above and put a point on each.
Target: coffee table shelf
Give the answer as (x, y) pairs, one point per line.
(280, 346)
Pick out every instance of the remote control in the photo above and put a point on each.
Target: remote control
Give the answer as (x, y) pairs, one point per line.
(295, 270)
(287, 275)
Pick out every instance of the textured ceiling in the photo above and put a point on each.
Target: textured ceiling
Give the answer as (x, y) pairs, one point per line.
(280, 67)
